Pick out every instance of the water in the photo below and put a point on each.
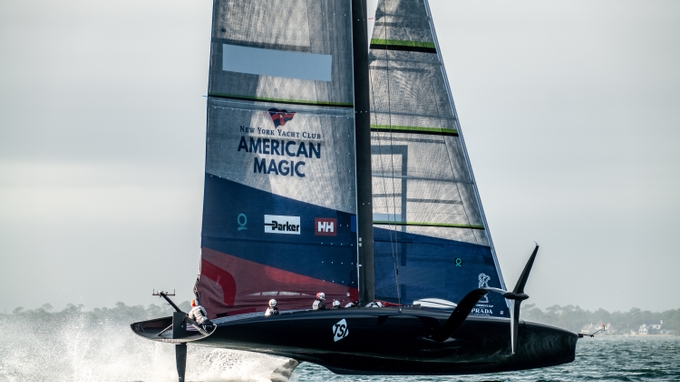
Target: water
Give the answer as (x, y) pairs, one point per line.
(81, 352)
(597, 359)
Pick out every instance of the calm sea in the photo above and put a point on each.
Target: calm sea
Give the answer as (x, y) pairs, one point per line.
(115, 354)
(597, 359)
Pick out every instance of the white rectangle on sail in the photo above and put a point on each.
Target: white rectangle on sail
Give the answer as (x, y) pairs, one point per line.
(287, 225)
(276, 63)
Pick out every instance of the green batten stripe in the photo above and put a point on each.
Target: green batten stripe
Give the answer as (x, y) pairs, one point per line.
(414, 129)
(415, 44)
(280, 100)
(425, 224)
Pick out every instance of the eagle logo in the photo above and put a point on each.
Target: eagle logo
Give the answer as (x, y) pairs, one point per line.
(280, 117)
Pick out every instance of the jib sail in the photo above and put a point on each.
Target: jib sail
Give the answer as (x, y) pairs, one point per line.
(431, 237)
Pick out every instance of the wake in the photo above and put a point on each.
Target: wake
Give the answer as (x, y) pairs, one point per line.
(77, 349)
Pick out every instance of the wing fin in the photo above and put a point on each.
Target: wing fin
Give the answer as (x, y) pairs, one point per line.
(468, 302)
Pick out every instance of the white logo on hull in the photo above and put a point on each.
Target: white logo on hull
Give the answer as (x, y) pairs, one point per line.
(340, 330)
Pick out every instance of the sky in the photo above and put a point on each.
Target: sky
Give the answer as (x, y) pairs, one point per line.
(570, 111)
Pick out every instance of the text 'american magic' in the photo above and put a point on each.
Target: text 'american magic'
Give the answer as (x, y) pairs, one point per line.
(280, 147)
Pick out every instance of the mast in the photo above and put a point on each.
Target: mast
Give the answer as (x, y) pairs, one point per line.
(363, 152)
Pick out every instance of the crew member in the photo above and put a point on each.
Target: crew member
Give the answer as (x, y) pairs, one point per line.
(336, 304)
(272, 309)
(200, 315)
(319, 302)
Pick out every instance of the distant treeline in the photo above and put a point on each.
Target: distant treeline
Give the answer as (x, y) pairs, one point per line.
(569, 317)
(575, 319)
(121, 313)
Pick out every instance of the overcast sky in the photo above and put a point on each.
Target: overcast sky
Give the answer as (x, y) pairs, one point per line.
(570, 111)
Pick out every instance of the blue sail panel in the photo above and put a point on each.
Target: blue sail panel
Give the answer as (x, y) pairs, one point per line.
(430, 267)
(321, 245)
(272, 247)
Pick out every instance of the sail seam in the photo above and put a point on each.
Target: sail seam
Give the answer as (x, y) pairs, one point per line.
(420, 200)
(428, 224)
(409, 177)
(450, 118)
(279, 100)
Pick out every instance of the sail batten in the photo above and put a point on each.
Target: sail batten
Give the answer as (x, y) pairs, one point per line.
(406, 46)
(403, 43)
(279, 100)
(413, 129)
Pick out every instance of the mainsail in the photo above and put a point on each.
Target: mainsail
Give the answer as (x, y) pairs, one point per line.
(280, 189)
(431, 237)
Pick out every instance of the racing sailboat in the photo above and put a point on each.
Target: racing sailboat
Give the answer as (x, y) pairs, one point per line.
(336, 164)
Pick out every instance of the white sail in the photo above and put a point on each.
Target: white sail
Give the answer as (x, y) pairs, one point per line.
(423, 184)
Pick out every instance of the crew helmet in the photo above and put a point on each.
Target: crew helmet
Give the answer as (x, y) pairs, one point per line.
(321, 296)
(272, 303)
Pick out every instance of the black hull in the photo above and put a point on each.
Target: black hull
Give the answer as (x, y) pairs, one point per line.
(389, 341)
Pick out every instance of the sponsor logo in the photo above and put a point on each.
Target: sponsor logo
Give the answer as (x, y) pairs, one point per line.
(280, 117)
(325, 226)
(242, 220)
(340, 330)
(482, 311)
(280, 151)
(484, 283)
(482, 306)
(287, 225)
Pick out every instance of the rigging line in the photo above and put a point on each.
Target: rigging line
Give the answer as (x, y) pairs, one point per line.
(381, 162)
(393, 235)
